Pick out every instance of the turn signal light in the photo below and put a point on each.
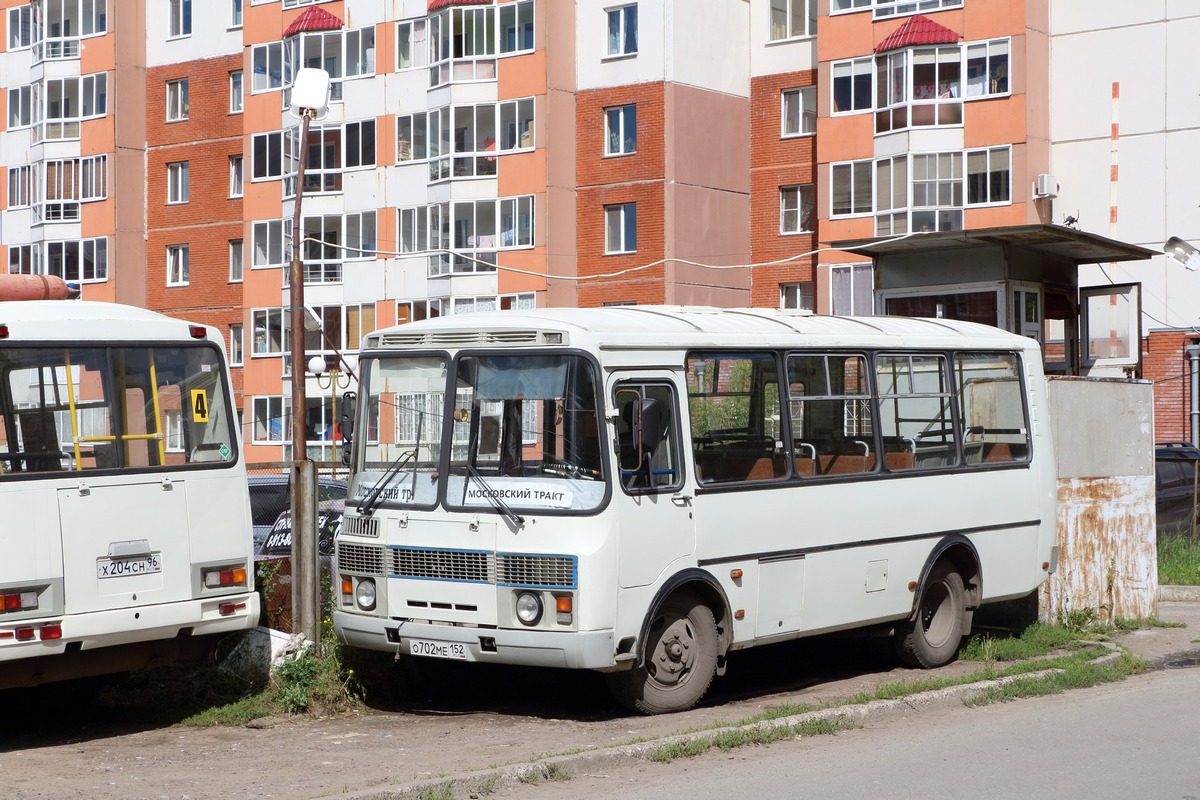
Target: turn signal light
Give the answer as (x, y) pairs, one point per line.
(563, 606)
(235, 576)
(18, 601)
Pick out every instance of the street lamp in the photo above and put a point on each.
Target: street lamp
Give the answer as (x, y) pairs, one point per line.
(310, 99)
(1183, 252)
(330, 376)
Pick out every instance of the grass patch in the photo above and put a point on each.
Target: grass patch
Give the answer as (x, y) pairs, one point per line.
(727, 740)
(1035, 641)
(1178, 560)
(442, 791)
(1072, 673)
(545, 772)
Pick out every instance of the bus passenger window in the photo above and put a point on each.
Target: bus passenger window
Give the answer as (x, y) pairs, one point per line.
(830, 412)
(915, 416)
(733, 399)
(992, 406)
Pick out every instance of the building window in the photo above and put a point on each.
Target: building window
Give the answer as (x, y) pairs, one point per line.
(896, 8)
(179, 18)
(937, 192)
(271, 238)
(75, 261)
(177, 265)
(21, 258)
(417, 310)
(516, 27)
(414, 229)
(802, 295)
(177, 182)
(799, 112)
(987, 68)
(235, 14)
(622, 30)
(19, 187)
(620, 128)
(851, 288)
(411, 133)
(844, 6)
(177, 100)
(20, 107)
(270, 415)
(267, 156)
(411, 47)
(852, 85)
(236, 176)
(516, 124)
(20, 27)
(891, 196)
(989, 176)
(270, 331)
(851, 184)
(791, 19)
(236, 94)
(236, 345)
(236, 259)
(797, 209)
(360, 144)
(267, 63)
(620, 229)
(68, 101)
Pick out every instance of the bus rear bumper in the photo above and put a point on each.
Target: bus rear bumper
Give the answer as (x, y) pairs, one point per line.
(536, 648)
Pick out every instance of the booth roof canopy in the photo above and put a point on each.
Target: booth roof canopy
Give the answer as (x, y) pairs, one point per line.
(1053, 241)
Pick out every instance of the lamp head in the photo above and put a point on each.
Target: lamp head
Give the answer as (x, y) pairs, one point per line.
(310, 92)
(1183, 252)
(316, 365)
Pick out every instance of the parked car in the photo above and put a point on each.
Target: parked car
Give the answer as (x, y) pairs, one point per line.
(329, 520)
(1175, 473)
(270, 495)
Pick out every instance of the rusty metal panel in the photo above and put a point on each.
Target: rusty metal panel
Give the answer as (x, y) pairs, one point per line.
(1108, 561)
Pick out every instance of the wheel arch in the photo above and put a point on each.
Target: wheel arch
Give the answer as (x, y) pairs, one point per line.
(704, 585)
(959, 551)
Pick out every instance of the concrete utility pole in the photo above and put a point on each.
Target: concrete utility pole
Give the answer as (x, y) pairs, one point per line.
(310, 97)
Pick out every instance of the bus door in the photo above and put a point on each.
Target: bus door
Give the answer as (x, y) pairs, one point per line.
(654, 510)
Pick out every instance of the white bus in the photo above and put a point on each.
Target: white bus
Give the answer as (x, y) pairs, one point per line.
(125, 538)
(645, 490)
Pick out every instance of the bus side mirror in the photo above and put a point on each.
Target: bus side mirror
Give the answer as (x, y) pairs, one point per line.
(346, 425)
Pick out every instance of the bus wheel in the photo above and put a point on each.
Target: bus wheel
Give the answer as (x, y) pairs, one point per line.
(932, 639)
(680, 659)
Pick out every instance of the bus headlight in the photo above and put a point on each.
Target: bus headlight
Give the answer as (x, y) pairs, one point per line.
(364, 594)
(529, 608)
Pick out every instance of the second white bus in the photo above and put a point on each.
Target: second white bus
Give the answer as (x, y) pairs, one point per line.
(125, 536)
(644, 491)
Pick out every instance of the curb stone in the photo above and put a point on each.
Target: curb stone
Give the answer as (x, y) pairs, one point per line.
(598, 760)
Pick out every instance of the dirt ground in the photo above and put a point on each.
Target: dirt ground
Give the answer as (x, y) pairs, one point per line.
(471, 717)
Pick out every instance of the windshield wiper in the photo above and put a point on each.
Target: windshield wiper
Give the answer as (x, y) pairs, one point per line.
(368, 504)
(493, 497)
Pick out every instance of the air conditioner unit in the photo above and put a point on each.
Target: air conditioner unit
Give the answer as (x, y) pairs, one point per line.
(1045, 186)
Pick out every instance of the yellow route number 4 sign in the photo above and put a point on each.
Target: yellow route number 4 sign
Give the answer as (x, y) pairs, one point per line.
(199, 405)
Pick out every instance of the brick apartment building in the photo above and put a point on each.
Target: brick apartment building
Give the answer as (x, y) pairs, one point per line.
(513, 153)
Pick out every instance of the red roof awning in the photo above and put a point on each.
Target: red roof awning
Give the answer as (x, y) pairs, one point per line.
(314, 18)
(434, 5)
(917, 30)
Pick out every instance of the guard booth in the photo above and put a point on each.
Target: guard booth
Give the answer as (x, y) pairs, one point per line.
(1025, 279)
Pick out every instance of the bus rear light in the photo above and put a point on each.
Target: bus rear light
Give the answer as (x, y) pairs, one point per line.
(198, 331)
(228, 608)
(6, 634)
(19, 601)
(48, 632)
(24, 634)
(3, 331)
(226, 576)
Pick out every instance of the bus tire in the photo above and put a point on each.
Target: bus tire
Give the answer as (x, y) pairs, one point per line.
(680, 659)
(933, 638)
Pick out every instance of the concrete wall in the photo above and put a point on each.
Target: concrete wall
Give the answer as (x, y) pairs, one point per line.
(1103, 433)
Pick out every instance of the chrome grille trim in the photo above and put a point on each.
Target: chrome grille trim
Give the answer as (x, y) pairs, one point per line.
(455, 339)
(363, 558)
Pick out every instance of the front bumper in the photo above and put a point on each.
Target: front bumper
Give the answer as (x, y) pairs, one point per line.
(535, 648)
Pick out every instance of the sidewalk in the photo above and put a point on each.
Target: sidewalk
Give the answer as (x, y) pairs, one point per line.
(1160, 647)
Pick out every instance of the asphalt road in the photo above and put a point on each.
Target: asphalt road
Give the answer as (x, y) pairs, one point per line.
(1136, 738)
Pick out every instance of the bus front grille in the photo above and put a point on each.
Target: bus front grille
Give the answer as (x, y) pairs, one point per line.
(522, 570)
(360, 526)
(360, 558)
(506, 569)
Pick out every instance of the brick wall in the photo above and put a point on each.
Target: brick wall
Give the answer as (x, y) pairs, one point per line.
(775, 162)
(602, 181)
(1165, 362)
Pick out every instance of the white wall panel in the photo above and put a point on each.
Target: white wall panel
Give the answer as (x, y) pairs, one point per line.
(595, 70)
(1072, 16)
(707, 45)
(211, 35)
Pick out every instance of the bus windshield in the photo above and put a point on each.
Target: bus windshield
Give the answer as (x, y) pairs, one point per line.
(523, 433)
